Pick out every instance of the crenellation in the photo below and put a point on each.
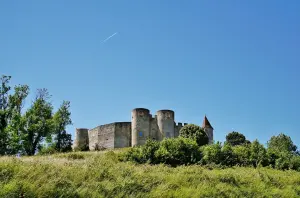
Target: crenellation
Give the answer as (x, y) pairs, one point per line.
(143, 126)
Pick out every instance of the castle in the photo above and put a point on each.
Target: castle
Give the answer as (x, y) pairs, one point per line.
(127, 134)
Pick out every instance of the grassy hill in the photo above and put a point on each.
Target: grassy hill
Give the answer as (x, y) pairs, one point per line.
(100, 174)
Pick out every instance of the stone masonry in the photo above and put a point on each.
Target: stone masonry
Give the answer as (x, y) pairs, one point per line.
(127, 134)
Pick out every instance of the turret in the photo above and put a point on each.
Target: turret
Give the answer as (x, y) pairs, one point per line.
(81, 139)
(208, 129)
(165, 121)
(140, 126)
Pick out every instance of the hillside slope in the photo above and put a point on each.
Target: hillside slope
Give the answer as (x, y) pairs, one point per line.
(100, 174)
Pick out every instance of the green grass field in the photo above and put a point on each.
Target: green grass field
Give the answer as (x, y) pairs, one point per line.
(100, 174)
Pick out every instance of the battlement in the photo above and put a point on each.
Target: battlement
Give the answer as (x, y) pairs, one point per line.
(143, 125)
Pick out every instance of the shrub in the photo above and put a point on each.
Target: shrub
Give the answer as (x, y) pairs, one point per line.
(242, 153)
(212, 154)
(194, 132)
(177, 151)
(229, 158)
(82, 148)
(47, 150)
(142, 154)
(295, 163)
(171, 151)
(258, 154)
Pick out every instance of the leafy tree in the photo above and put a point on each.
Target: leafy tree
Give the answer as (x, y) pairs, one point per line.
(15, 126)
(38, 122)
(194, 132)
(4, 113)
(258, 154)
(235, 138)
(61, 119)
(281, 143)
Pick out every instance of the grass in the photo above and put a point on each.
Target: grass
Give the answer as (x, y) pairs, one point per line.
(100, 174)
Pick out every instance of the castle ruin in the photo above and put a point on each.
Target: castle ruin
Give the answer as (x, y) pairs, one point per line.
(128, 134)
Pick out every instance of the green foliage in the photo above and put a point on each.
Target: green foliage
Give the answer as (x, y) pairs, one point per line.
(194, 132)
(235, 138)
(281, 143)
(38, 122)
(178, 151)
(23, 133)
(61, 119)
(184, 151)
(172, 151)
(258, 154)
(212, 154)
(47, 150)
(242, 152)
(99, 174)
(4, 113)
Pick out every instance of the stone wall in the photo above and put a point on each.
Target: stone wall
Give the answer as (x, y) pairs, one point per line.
(122, 134)
(93, 138)
(102, 136)
(154, 129)
(136, 132)
(81, 138)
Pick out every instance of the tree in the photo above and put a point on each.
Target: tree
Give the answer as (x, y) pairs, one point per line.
(281, 143)
(258, 154)
(61, 119)
(194, 132)
(235, 138)
(16, 122)
(38, 122)
(4, 113)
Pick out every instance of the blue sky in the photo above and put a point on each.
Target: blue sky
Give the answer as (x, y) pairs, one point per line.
(235, 61)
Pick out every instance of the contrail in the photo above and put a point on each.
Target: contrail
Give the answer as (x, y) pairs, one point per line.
(110, 36)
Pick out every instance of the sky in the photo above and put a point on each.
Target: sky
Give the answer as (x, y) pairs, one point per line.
(235, 61)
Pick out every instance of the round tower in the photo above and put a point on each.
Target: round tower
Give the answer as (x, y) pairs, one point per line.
(165, 121)
(209, 130)
(81, 138)
(140, 126)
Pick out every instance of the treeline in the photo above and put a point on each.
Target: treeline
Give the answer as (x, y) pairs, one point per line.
(28, 131)
(191, 147)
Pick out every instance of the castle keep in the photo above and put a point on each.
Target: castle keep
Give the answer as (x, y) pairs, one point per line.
(127, 134)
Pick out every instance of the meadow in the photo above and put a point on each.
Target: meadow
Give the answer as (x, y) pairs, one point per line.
(101, 174)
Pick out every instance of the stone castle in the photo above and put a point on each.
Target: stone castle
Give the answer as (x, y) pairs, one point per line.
(127, 134)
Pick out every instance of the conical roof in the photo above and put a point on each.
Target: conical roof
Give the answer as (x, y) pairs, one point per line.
(206, 123)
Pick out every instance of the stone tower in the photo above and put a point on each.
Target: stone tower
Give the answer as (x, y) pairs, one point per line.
(81, 138)
(140, 126)
(208, 129)
(165, 121)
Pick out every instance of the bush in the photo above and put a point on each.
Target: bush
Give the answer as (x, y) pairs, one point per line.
(212, 154)
(178, 151)
(47, 150)
(229, 158)
(142, 154)
(242, 153)
(171, 151)
(194, 132)
(184, 151)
